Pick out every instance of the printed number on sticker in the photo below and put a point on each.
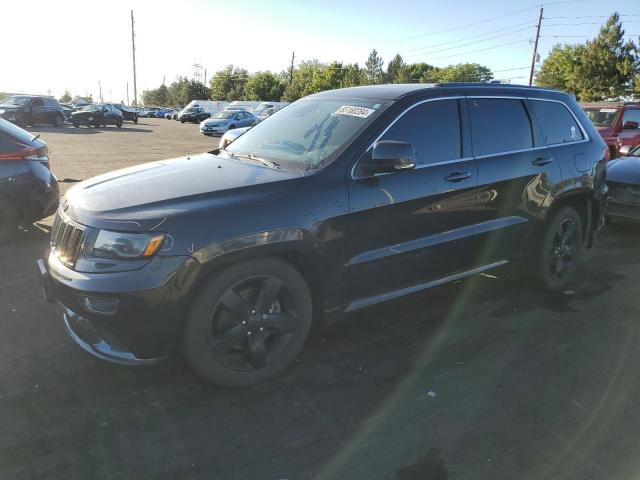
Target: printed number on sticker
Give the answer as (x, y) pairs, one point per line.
(361, 112)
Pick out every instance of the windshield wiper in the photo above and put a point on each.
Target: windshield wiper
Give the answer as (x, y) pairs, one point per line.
(253, 157)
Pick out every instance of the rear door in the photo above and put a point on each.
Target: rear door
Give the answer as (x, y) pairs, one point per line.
(515, 175)
(411, 227)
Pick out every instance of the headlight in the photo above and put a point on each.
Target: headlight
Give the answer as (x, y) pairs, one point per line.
(90, 118)
(126, 246)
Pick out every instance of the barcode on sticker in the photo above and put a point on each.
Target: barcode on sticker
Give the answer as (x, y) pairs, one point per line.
(361, 112)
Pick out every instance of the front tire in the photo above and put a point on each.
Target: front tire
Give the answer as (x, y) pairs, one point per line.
(248, 323)
(59, 120)
(119, 124)
(555, 262)
(135, 118)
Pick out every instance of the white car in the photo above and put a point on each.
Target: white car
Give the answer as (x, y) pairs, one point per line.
(227, 120)
(230, 136)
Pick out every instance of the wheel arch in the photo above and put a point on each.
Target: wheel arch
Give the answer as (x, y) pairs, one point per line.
(585, 202)
(290, 245)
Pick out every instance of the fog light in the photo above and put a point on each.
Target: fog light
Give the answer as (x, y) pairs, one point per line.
(99, 305)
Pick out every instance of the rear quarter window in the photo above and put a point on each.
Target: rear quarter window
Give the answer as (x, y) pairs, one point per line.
(499, 125)
(557, 123)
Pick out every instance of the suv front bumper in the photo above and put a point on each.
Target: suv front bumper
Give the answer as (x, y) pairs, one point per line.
(150, 310)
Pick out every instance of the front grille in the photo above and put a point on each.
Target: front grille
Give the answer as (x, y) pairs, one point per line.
(66, 240)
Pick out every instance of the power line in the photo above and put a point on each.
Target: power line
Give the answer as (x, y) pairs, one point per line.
(585, 23)
(481, 50)
(535, 7)
(584, 36)
(529, 23)
(472, 43)
(467, 24)
(588, 16)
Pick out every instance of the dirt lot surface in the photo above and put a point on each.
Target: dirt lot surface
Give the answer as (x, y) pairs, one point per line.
(481, 379)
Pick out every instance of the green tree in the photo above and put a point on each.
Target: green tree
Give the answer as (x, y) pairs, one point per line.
(394, 67)
(301, 84)
(373, 68)
(66, 97)
(264, 86)
(414, 72)
(558, 69)
(353, 76)
(156, 97)
(463, 72)
(608, 65)
(327, 77)
(229, 84)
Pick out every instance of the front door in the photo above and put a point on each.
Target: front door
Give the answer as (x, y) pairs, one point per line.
(415, 226)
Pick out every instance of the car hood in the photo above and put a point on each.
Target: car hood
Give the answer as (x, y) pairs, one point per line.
(80, 113)
(142, 193)
(210, 121)
(624, 170)
(4, 106)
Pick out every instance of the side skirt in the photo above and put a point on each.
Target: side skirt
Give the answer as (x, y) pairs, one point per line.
(385, 297)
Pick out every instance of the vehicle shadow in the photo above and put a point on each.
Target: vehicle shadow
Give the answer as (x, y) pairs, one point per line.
(66, 129)
(87, 130)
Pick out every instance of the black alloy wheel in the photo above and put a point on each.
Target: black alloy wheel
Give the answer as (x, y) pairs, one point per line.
(248, 323)
(556, 260)
(564, 248)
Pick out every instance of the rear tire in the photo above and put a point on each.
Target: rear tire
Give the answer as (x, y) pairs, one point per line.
(8, 221)
(135, 118)
(119, 124)
(555, 262)
(248, 323)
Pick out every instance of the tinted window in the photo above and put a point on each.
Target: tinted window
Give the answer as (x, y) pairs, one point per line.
(10, 134)
(499, 125)
(433, 128)
(557, 123)
(631, 115)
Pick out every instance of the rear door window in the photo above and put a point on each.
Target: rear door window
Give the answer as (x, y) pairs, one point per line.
(499, 125)
(433, 129)
(557, 123)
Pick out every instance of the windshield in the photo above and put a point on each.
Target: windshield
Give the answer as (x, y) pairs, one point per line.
(190, 110)
(16, 101)
(602, 117)
(91, 108)
(263, 107)
(309, 133)
(224, 114)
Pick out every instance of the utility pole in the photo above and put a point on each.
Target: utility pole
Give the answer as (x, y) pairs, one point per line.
(293, 56)
(100, 87)
(535, 48)
(128, 94)
(133, 50)
(205, 76)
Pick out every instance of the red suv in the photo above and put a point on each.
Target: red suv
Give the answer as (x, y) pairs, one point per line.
(618, 123)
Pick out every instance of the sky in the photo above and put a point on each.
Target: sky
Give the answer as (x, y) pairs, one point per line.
(50, 47)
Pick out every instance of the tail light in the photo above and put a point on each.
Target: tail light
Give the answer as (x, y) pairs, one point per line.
(39, 154)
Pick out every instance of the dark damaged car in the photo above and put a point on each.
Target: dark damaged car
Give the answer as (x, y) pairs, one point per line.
(341, 201)
(623, 178)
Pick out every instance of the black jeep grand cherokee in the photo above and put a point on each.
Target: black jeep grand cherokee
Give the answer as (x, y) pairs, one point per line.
(342, 200)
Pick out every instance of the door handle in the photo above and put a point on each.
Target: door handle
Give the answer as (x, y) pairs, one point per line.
(541, 161)
(457, 176)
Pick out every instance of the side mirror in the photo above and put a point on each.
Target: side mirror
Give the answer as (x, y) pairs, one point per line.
(390, 156)
(625, 149)
(630, 125)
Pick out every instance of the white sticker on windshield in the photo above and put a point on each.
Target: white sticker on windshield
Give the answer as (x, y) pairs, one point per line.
(608, 110)
(361, 112)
